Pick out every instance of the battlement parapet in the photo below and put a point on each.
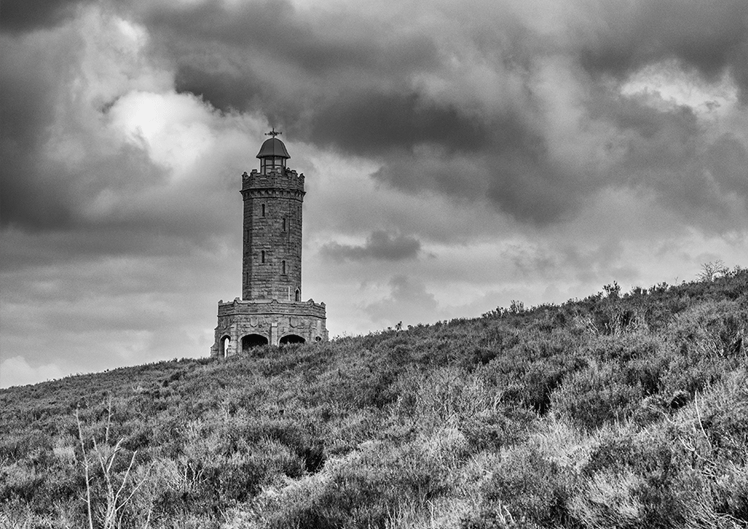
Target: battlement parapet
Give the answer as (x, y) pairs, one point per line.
(281, 178)
(259, 307)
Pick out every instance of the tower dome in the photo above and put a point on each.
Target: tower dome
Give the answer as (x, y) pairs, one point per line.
(273, 155)
(273, 147)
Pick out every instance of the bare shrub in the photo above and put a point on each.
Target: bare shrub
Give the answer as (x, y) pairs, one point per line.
(713, 270)
(118, 490)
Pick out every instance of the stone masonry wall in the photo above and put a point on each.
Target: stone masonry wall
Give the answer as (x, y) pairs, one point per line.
(272, 235)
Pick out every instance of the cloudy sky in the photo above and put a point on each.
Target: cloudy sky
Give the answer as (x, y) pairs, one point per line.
(459, 155)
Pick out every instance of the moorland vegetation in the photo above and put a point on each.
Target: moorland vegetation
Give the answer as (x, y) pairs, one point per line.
(625, 410)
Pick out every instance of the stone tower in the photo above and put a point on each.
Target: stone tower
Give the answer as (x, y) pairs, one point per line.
(270, 310)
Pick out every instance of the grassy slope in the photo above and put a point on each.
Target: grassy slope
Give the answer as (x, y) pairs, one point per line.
(614, 411)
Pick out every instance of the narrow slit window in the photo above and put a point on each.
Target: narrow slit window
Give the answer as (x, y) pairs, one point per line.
(284, 223)
(262, 256)
(283, 267)
(262, 208)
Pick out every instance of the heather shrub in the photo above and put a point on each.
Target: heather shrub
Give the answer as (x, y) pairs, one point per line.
(729, 496)
(530, 371)
(503, 426)
(15, 447)
(714, 427)
(360, 491)
(595, 396)
(537, 383)
(443, 395)
(638, 475)
(608, 500)
(711, 330)
(708, 340)
(20, 482)
(497, 519)
(710, 444)
(528, 487)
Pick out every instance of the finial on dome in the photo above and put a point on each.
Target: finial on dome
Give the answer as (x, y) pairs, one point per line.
(273, 133)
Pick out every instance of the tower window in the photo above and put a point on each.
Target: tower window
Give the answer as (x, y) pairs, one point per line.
(283, 267)
(298, 295)
(272, 164)
(284, 223)
(263, 209)
(262, 256)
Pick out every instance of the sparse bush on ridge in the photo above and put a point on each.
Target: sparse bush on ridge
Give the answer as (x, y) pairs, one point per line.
(624, 409)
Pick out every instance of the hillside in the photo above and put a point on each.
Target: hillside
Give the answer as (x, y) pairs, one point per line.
(619, 410)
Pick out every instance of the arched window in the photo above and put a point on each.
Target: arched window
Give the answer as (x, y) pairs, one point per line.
(291, 339)
(298, 295)
(253, 340)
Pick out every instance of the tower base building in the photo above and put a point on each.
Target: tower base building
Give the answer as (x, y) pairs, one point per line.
(246, 324)
(270, 311)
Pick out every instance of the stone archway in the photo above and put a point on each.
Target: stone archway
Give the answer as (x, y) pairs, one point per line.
(253, 340)
(225, 346)
(291, 338)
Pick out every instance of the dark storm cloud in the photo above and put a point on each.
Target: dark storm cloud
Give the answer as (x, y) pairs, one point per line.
(347, 89)
(63, 170)
(29, 194)
(319, 43)
(388, 121)
(341, 81)
(727, 161)
(667, 152)
(653, 139)
(353, 83)
(380, 245)
(708, 36)
(26, 15)
(514, 173)
(239, 56)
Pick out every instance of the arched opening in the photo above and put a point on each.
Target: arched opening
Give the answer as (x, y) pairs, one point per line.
(225, 346)
(291, 338)
(318, 339)
(253, 340)
(297, 297)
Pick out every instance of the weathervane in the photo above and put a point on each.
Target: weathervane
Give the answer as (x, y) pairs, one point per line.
(272, 133)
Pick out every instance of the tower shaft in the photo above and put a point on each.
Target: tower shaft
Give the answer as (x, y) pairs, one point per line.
(272, 235)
